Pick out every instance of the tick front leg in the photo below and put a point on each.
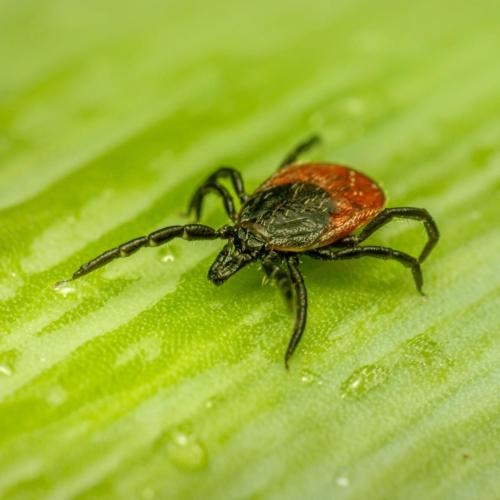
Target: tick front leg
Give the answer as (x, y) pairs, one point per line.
(420, 214)
(196, 202)
(301, 148)
(156, 238)
(385, 253)
(212, 184)
(301, 306)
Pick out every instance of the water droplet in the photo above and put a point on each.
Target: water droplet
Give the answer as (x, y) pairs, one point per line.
(186, 451)
(168, 258)
(422, 350)
(309, 377)
(8, 361)
(363, 380)
(5, 370)
(64, 288)
(342, 481)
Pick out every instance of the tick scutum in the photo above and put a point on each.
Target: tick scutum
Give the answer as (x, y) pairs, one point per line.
(288, 216)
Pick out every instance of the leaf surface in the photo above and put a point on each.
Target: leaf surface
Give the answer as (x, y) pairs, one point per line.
(143, 380)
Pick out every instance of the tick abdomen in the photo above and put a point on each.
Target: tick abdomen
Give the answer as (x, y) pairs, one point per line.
(308, 206)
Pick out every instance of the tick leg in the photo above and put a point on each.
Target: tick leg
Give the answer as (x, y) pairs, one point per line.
(301, 305)
(329, 253)
(274, 271)
(197, 200)
(211, 184)
(420, 214)
(301, 148)
(158, 237)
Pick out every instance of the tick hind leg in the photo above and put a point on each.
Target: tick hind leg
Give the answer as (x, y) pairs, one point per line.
(408, 261)
(292, 286)
(211, 184)
(298, 150)
(420, 214)
(156, 238)
(300, 304)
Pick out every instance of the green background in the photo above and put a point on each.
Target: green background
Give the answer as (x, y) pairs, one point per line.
(143, 380)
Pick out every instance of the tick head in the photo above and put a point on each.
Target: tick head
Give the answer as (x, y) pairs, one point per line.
(228, 262)
(242, 249)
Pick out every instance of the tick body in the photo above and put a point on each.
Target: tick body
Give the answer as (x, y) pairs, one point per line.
(321, 210)
(310, 206)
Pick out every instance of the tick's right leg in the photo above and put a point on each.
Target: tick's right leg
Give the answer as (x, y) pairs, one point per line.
(156, 238)
(212, 184)
(420, 214)
(331, 253)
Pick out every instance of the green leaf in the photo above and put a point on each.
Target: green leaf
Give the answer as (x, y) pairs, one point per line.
(143, 380)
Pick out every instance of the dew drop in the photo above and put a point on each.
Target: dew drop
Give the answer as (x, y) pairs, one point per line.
(309, 377)
(5, 370)
(342, 481)
(64, 288)
(168, 258)
(363, 380)
(186, 451)
(422, 350)
(8, 362)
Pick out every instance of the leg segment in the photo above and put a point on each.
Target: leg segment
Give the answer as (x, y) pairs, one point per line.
(301, 305)
(420, 214)
(212, 184)
(329, 253)
(236, 180)
(301, 148)
(197, 200)
(158, 237)
(274, 271)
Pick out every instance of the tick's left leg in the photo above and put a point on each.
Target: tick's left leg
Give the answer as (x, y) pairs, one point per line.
(420, 214)
(154, 239)
(301, 148)
(330, 253)
(212, 184)
(301, 305)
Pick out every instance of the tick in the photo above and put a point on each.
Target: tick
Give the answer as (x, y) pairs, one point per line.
(322, 210)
